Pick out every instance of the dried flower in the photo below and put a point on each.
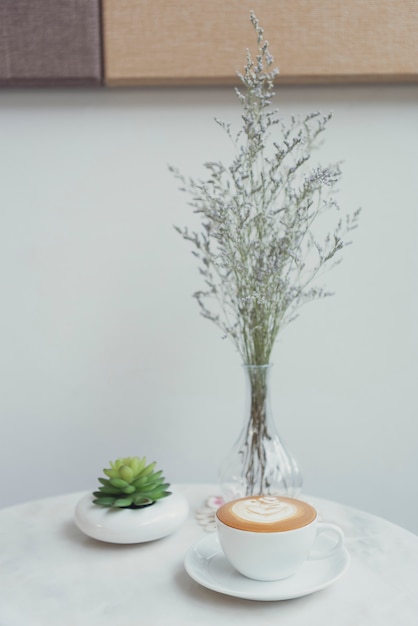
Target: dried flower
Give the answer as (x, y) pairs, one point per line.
(258, 250)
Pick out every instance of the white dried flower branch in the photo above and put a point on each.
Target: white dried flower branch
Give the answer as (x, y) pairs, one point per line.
(257, 249)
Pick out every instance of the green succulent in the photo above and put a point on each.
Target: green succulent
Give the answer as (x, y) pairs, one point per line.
(131, 483)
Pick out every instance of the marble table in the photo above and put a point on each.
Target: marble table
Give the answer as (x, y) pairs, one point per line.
(51, 574)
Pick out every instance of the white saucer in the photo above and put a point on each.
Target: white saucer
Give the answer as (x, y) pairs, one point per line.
(206, 564)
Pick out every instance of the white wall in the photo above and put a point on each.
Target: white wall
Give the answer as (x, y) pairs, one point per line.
(103, 352)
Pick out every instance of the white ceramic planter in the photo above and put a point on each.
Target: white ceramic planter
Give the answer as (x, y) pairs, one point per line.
(131, 525)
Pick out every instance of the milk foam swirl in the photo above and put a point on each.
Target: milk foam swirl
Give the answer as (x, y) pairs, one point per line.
(267, 509)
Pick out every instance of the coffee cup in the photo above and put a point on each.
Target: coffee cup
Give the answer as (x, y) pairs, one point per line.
(270, 537)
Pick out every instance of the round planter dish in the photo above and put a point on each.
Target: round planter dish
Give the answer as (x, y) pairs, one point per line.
(131, 525)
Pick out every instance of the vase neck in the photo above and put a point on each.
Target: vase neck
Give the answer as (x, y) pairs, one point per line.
(258, 375)
(258, 393)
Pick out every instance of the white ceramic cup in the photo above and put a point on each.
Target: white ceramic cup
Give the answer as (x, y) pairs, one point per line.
(274, 551)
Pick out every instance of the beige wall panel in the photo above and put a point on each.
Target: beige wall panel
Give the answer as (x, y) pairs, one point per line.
(203, 42)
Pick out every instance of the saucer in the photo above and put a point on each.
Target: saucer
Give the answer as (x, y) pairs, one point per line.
(206, 564)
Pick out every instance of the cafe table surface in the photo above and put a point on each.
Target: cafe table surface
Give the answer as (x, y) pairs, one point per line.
(51, 574)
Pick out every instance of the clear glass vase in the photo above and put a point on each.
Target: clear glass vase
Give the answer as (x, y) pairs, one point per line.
(259, 462)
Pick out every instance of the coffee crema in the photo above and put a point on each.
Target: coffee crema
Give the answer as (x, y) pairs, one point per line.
(266, 514)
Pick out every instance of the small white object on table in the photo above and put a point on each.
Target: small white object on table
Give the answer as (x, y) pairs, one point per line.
(51, 574)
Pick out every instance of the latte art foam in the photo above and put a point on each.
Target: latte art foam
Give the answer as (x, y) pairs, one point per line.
(266, 514)
(264, 510)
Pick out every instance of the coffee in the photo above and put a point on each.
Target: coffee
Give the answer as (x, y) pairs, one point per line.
(266, 514)
(282, 534)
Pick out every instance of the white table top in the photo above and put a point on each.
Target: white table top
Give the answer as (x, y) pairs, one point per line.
(53, 575)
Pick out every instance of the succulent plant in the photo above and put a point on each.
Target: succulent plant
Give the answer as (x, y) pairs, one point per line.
(131, 483)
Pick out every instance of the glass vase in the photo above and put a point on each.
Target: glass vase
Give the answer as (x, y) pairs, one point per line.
(259, 463)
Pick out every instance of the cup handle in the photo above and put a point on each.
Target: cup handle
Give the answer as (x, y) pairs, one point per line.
(325, 527)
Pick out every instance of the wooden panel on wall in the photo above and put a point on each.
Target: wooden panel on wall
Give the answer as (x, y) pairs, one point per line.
(50, 42)
(203, 42)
